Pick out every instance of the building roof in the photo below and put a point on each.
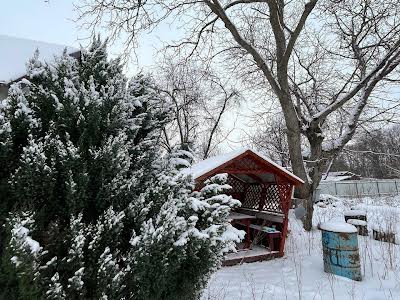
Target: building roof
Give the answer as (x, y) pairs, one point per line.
(211, 165)
(340, 176)
(15, 52)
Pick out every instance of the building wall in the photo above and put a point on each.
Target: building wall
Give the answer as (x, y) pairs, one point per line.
(3, 91)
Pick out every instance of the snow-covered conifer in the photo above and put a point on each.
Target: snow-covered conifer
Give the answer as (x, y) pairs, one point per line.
(111, 216)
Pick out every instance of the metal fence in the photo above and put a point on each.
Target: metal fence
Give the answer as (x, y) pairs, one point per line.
(360, 188)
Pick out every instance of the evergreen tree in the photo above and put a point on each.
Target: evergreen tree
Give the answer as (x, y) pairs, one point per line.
(94, 210)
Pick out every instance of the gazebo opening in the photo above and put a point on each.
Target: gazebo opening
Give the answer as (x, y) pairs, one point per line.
(265, 190)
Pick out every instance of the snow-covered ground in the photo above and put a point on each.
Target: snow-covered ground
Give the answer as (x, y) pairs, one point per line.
(300, 275)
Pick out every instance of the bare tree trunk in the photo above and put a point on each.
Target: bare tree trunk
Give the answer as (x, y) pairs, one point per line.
(293, 133)
(296, 157)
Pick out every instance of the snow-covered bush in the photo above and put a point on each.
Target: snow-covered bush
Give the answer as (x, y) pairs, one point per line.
(94, 210)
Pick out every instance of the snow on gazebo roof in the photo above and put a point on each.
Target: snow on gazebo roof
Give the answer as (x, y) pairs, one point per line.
(15, 52)
(205, 166)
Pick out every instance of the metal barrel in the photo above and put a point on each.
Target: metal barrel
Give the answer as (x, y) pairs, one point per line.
(340, 249)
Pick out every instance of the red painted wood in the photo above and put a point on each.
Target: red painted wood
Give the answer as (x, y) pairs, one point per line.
(263, 167)
(255, 197)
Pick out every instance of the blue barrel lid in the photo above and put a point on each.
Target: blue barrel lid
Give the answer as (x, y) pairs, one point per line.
(341, 227)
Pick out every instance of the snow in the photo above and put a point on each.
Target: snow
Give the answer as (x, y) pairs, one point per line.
(300, 275)
(340, 176)
(354, 213)
(180, 162)
(232, 234)
(15, 52)
(256, 250)
(338, 227)
(20, 233)
(239, 216)
(357, 222)
(16, 261)
(336, 178)
(209, 164)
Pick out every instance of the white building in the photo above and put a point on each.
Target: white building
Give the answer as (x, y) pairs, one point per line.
(15, 52)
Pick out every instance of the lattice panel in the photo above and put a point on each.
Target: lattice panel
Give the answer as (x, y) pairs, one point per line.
(252, 197)
(237, 185)
(272, 199)
(285, 189)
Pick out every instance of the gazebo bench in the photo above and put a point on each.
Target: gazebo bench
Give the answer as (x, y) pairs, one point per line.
(271, 234)
(265, 229)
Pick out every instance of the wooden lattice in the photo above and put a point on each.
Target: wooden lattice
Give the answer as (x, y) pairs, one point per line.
(285, 190)
(272, 199)
(238, 186)
(252, 196)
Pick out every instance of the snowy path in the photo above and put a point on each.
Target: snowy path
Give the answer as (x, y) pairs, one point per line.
(299, 275)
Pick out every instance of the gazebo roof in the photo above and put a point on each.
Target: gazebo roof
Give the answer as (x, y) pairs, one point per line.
(221, 163)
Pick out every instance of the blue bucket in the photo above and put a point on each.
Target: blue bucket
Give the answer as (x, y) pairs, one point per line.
(340, 249)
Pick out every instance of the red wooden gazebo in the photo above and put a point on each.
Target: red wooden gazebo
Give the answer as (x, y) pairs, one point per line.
(265, 190)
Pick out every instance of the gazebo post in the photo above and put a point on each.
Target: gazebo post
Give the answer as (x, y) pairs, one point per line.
(285, 197)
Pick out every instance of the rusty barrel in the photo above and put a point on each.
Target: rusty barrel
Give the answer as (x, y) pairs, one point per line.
(340, 249)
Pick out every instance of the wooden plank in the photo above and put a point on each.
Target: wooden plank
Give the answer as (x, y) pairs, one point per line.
(249, 259)
(247, 211)
(278, 218)
(246, 171)
(269, 216)
(255, 178)
(240, 216)
(265, 229)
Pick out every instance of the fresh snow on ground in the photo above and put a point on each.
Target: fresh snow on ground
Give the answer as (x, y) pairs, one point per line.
(300, 275)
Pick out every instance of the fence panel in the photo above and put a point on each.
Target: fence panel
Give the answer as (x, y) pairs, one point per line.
(387, 187)
(344, 189)
(327, 188)
(368, 188)
(358, 188)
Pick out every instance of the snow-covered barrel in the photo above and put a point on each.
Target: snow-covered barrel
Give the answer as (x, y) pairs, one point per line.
(340, 249)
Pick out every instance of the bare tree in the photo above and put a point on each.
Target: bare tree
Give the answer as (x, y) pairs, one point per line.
(270, 138)
(200, 101)
(374, 154)
(326, 61)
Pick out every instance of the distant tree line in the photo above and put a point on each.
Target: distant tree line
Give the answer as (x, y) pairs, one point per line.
(373, 154)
